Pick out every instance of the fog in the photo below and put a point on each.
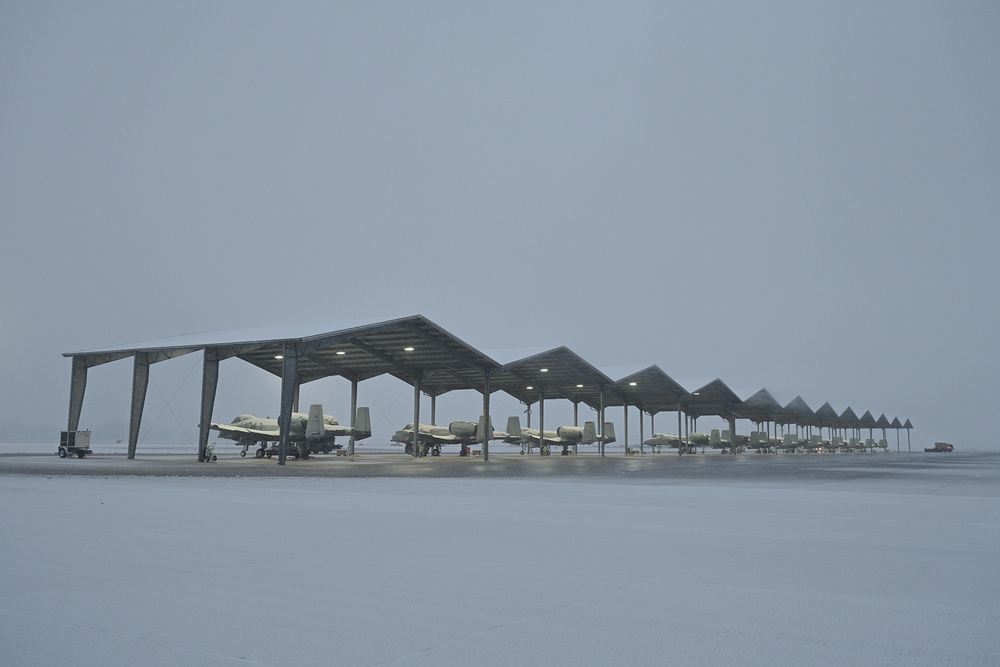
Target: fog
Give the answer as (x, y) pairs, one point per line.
(797, 196)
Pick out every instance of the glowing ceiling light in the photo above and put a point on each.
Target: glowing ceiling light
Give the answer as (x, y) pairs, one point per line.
(579, 386)
(632, 384)
(545, 370)
(407, 349)
(279, 356)
(529, 387)
(340, 352)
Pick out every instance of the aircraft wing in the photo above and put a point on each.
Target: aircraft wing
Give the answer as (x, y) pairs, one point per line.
(231, 432)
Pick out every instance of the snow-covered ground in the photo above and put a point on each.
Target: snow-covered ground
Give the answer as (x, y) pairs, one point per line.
(899, 568)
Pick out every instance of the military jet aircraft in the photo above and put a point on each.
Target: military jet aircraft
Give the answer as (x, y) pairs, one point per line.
(693, 441)
(660, 440)
(432, 438)
(313, 433)
(721, 440)
(566, 436)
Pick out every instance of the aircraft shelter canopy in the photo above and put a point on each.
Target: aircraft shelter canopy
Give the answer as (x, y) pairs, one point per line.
(556, 373)
(405, 348)
(826, 416)
(848, 419)
(433, 361)
(413, 349)
(761, 407)
(867, 420)
(796, 412)
(714, 399)
(652, 391)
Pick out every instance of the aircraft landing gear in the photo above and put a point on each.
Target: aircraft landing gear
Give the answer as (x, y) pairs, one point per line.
(259, 453)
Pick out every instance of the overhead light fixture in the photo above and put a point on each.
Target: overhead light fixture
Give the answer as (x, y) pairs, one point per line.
(632, 384)
(340, 352)
(279, 356)
(407, 349)
(545, 370)
(579, 386)
(529, 387)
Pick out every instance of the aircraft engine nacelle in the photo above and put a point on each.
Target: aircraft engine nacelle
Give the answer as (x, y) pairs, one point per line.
(571, 433)
(462, 429)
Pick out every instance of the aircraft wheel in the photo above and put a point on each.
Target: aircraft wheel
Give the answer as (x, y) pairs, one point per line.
(522, 452)
(81, 454)
(268, 454)
(62, 453)
(214, 457)
(243, 453)
(259, 453)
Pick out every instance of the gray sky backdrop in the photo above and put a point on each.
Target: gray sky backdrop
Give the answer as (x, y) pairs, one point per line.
(793, 195)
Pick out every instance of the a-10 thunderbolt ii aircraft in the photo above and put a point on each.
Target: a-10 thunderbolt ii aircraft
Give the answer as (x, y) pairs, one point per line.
(682, 445)
(312, 433)
(566, 436)
(432, 438)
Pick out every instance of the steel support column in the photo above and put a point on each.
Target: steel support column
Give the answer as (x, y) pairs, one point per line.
(541, 423)
(354, 413)
(289, 384)
(140, 381)
(600, 419)
(732, 435)
(77, 387)
(487, 419)
(642, 435)
(416, 416)
(576, 422)
(625, 410)
(209, 383)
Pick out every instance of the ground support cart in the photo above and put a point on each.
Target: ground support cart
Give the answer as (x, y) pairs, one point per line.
(74, 442)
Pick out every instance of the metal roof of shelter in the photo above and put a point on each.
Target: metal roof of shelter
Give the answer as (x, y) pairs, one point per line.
(883, 422)
(826, 416)
(412, 349)
(556, 373)
(760, 407)
(796, 412)
(715, 399)
(652, 391)
(404, 347)
(907, 425)
(848, 419)
(895, 423)
(867, 420)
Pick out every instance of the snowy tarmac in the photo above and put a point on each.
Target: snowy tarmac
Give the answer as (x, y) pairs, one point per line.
(874, 559)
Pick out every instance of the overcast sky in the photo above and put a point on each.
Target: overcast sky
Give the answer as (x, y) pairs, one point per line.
(791, 195)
